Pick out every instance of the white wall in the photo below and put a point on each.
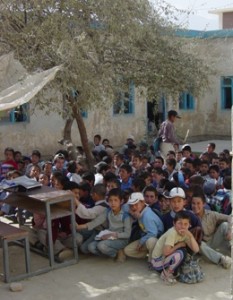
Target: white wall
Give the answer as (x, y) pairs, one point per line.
(43, 131)
(208, 118)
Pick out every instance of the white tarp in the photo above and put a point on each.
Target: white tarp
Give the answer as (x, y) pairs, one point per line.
(24, 90)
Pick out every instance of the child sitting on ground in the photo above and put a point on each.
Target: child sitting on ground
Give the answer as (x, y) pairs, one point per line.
(151, 227)
(118, 225)
(217, 232)
(125, 177)
(88, 233)
(214, 173)
(169, 252)
(151, 198)
(97, 144)
(170, 167)
(204, 169)
(177, 204)
(8, 164)
(163, 204)
(35, 172)
(112, 183)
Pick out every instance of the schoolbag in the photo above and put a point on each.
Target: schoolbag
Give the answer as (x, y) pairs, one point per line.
(157, 212)
(190, 271)
(103, 204)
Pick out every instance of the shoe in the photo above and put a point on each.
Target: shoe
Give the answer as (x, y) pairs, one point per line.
(120, 256)
(225, 261)
(150, 266)
(168, 277)
(63, 255)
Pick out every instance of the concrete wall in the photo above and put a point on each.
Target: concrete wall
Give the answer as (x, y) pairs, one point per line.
(43, 131)
(208, 119)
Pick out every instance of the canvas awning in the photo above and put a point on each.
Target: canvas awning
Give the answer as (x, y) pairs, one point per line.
(24, 90)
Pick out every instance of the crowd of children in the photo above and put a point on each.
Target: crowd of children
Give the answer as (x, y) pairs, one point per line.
(136, 203)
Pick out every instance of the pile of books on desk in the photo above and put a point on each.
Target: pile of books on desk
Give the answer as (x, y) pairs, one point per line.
(19, 184)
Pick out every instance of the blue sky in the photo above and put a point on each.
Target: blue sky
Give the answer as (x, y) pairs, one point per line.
(199, 18)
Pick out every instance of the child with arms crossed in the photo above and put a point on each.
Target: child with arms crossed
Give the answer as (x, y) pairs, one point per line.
(170, 250)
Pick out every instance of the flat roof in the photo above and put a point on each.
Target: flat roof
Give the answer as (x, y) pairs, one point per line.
(221, 10)
(212, 34)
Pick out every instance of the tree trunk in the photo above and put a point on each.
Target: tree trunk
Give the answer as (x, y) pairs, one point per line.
(83, 135)
(67, 130)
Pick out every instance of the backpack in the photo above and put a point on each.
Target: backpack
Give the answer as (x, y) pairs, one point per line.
(190, 271)
(157, 212)
(103, 204)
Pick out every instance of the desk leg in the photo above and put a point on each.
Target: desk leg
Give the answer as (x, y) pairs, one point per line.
(20, 216)
(73, 230)
(27, 255)
(6, 261)
(50, 237)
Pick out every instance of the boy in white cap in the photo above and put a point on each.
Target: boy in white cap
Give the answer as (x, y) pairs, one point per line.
(150, 225)
(177, 204)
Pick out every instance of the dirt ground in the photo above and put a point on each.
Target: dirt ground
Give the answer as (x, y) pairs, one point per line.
(102, 278)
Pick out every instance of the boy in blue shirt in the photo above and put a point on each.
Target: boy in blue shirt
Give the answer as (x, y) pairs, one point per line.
(150, 225)
(125, 177)
(177, 203)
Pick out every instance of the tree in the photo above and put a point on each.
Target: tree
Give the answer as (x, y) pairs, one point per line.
(102, 45)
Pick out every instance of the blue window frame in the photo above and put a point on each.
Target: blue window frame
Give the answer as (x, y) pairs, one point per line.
(17, 115)
(125, 101)
(75, 94)
(84, 113)
(226, 92)
(186, 101)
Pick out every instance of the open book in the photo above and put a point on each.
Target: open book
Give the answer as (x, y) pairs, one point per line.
(102, 233)
(23, 183)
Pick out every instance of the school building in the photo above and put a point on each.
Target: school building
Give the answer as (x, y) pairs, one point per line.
(209, 116)
(26, 127)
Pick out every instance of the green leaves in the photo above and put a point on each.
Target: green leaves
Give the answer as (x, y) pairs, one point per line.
(98, 41)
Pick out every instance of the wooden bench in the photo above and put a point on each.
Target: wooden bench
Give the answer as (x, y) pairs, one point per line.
(9, 233)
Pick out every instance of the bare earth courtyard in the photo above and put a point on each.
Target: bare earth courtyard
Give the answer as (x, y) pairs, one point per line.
(102, 278)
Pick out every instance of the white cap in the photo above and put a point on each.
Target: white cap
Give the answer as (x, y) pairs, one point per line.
(135, 198)
(185, 145)
(177, 192)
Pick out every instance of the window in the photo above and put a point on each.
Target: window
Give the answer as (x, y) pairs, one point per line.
(16, 115)
(227, 92)
(66, 108)
(125, 101)
(186, 101)
(84, 113)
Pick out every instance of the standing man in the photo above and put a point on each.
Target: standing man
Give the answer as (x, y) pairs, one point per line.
(167, 132)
